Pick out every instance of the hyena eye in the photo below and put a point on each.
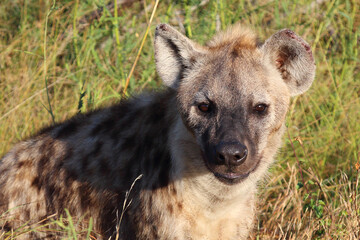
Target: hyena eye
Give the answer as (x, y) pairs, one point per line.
(260, 108)
(204, 107)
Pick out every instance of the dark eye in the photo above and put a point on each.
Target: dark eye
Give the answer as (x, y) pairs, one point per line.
(204, 107)
(260, 108)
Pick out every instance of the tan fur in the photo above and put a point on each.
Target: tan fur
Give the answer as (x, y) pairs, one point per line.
(238, 36)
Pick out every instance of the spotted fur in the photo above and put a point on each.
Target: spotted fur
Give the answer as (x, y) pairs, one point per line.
(189, 189)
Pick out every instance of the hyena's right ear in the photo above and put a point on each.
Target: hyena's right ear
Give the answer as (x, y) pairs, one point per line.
(173, 53)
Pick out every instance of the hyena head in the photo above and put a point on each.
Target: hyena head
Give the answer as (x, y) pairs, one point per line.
(233, 93)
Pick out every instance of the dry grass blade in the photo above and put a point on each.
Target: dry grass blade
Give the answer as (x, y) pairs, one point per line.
(126, 205)
(139, 52)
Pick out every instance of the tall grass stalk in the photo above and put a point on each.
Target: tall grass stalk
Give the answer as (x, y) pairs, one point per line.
(139, 52)
(49, 109)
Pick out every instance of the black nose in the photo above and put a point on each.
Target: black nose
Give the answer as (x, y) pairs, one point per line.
(233, 153)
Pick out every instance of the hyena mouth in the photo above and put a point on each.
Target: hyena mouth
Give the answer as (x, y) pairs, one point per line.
(230, 178)
(227, 174)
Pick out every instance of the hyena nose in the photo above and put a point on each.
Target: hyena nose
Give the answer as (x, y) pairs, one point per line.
(231, 153)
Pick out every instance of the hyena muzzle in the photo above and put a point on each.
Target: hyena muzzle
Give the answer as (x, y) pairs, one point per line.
(201, 145)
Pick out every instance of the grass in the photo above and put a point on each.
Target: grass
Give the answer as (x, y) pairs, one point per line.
(63, 57)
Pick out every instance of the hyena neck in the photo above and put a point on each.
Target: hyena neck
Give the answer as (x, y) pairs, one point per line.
(195, 182)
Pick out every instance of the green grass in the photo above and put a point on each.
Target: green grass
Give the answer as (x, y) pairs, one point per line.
(86, 55)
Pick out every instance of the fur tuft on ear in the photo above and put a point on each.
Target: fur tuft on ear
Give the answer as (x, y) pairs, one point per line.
(173, 54)
(293, 58)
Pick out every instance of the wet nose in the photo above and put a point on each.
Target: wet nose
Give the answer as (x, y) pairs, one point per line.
(231, 153)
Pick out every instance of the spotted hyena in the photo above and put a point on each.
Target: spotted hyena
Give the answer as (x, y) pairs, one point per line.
(201, 145)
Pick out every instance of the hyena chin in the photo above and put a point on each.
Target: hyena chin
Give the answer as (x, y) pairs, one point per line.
(201, 145)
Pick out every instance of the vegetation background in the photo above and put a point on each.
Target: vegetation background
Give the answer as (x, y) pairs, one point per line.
(58, 58)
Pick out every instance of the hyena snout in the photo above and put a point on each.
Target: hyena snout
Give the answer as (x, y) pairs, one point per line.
(230, 153)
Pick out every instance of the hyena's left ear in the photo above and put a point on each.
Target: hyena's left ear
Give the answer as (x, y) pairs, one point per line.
(173, 54)
(292, 56)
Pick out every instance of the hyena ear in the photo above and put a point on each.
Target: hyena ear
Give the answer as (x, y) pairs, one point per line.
(173, 54)
(292, 56)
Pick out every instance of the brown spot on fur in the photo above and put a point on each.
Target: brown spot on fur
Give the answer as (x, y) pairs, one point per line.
(6, 227)
(179, 206)
(274, 130)
(13, 194)
(36, 183)
(26, 163)
(85, 199)
(27, 214)
(173, 190)
(154, 231)
(234, 53)
(170, 208)
(192, 60)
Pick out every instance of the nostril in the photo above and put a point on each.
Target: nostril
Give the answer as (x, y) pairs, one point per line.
(220, 156)
(240, 157)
